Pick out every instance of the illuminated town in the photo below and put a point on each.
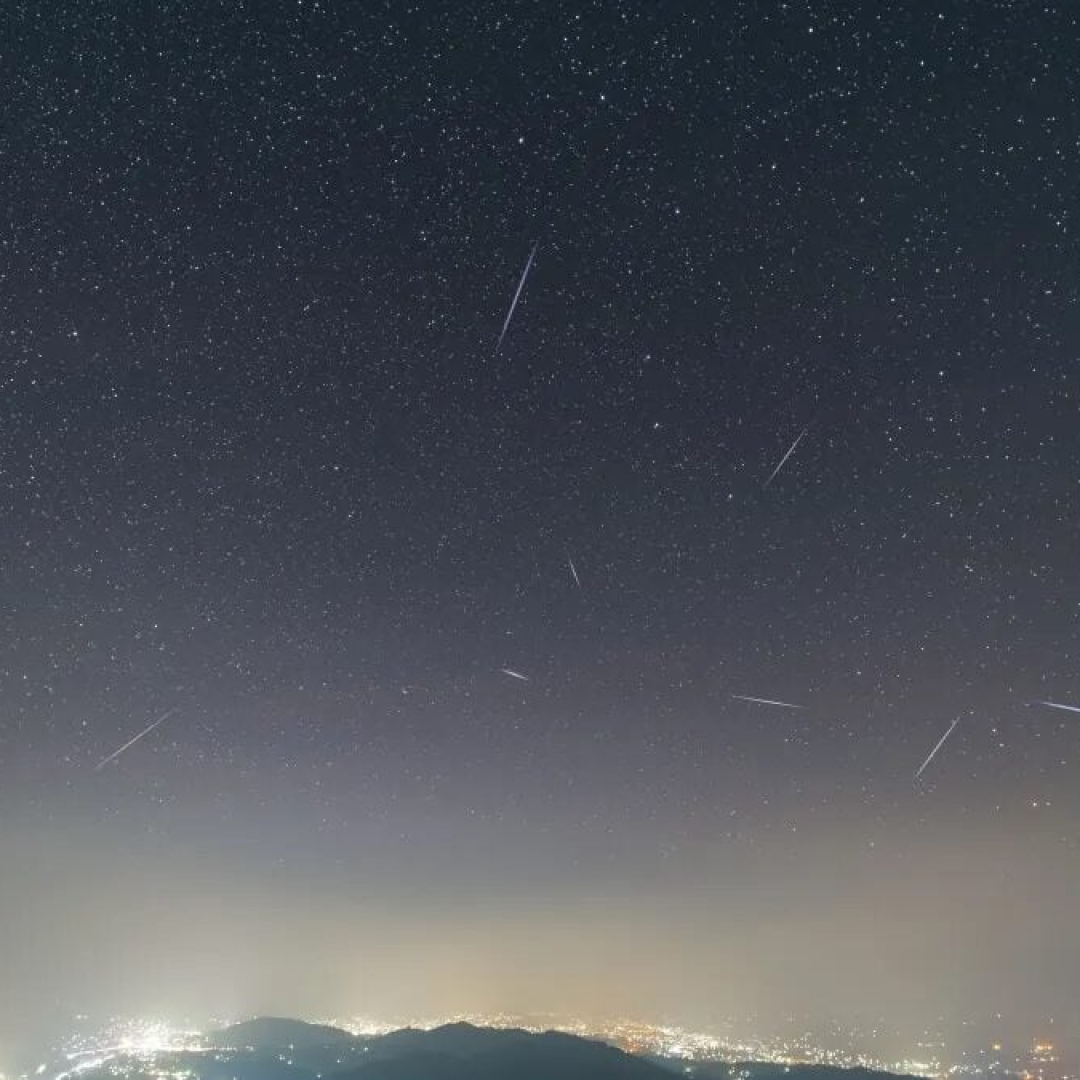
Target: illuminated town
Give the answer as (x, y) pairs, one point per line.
(125, 1047)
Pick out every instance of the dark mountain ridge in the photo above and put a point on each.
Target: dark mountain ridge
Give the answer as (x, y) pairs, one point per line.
(274, 1048)
(465, 1052)
(450, 1052)
(277, 1033)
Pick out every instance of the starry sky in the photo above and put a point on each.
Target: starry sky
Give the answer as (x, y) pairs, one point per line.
(265, 463)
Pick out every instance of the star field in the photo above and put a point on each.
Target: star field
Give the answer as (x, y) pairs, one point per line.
(265, 462)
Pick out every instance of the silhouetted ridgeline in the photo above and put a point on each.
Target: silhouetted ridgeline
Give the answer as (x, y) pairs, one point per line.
(271, 1048)
(451, 1052)
(277, 1033)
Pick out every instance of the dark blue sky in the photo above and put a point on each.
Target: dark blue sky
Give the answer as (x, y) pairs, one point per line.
(261, 462)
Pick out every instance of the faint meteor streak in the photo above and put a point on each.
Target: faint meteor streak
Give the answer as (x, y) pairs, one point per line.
(940, 744)
(131, 742)
(514, 674)
(791, 450)
(1057, 705)
(767, 701)
(517, 295)
(573, 570)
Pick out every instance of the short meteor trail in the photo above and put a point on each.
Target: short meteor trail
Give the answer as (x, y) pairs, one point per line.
(131, 742)
(767, 701)
(573, 570)
(1057, 705)
(514, 674)
(517, 295)
(940, 744)
(791, 450)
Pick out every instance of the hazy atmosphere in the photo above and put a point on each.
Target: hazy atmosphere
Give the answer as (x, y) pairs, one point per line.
(543, 507)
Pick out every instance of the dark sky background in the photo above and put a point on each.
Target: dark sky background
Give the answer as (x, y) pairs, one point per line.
(262, 463)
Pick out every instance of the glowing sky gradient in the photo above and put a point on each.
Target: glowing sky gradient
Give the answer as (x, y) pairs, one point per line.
(261, 464)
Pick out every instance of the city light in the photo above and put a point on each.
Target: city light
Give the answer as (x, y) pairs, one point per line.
(127, 1047)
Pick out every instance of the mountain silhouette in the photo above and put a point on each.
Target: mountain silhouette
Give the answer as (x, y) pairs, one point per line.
(459, 1039)
(465, 1052)
(275, 1048)
(457, 1051)
(277, 1033)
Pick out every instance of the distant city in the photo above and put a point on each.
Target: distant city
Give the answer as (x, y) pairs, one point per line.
(120, 1042)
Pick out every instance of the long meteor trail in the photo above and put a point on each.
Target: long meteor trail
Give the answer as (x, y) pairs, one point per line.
(940, 744)
(131, 742)
(1058, 705)
(517, 295)
(791, 450)
(767, 701)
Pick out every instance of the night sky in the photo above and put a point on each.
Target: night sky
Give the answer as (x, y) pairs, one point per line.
(265, 463)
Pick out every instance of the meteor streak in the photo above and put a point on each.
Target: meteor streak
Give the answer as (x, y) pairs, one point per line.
(940, 744)
(514, 674)
(1056, 705)
(767, 701)
(573, 570)
(791, 450)
(517, 295)
(131, 742)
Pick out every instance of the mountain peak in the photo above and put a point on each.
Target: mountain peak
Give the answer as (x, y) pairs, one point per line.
(276, 1032)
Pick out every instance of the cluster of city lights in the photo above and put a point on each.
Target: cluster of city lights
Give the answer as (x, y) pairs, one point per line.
(123, 1044)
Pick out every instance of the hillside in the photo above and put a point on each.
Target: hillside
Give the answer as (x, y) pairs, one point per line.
(275, 1048)
(277, 1033)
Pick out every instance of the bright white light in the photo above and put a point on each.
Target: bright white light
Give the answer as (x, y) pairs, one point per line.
(153, 1038)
